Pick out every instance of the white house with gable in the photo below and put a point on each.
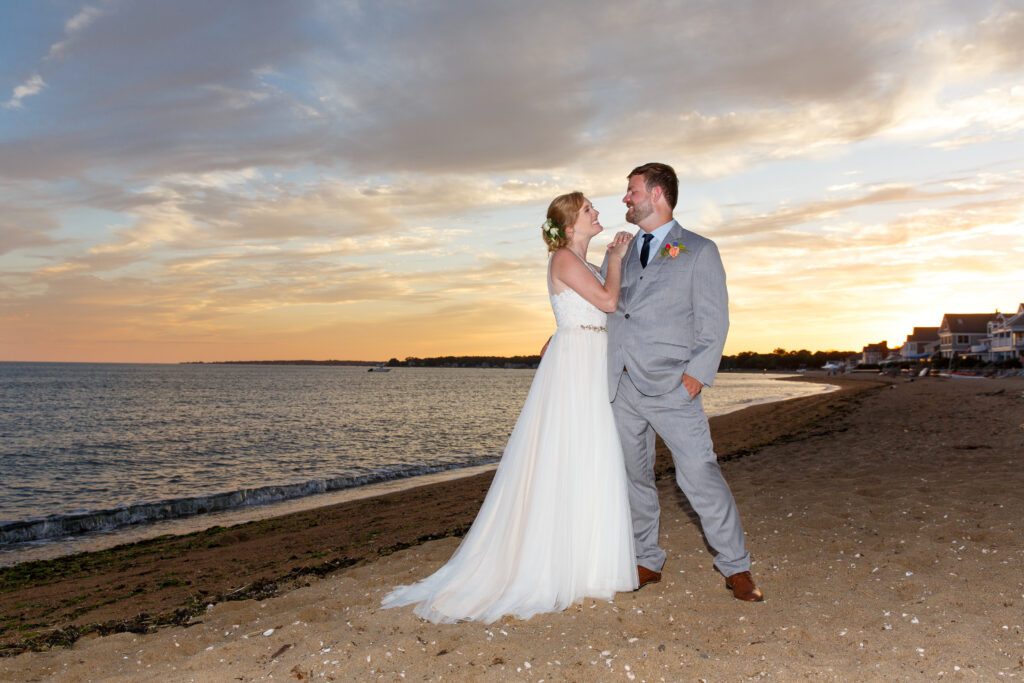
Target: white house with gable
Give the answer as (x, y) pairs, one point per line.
(1005, 337)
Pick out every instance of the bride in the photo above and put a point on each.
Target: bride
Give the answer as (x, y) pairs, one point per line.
(555, 525)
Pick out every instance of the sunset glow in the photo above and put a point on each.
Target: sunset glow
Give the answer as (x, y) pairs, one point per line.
(191, 181)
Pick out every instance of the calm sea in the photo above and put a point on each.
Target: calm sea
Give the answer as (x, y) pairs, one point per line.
(91, 451)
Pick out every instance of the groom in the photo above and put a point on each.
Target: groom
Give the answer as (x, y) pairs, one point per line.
(665, 341)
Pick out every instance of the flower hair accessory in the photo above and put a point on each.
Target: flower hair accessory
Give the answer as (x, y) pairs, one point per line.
(552, 230)
(672, 250)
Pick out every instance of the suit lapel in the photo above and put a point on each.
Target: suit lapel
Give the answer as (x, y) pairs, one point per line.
(631, 266)
(654, 262)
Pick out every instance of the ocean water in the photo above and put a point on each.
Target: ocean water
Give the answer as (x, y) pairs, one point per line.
(89, 449)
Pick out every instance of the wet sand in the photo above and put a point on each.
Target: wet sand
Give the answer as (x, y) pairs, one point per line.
(884, 521)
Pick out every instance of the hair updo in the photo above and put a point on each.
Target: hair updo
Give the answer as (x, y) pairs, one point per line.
(562, 213)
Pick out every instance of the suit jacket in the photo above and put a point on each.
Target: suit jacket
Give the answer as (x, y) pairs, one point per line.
(672, 317)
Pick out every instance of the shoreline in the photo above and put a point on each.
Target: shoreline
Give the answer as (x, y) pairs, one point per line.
(100, 541)
(103, 539)
(181, 526)
(274, 554)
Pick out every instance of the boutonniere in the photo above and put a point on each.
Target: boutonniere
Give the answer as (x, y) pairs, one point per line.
(672, 250)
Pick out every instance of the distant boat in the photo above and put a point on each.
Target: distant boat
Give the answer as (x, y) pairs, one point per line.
(379, 368)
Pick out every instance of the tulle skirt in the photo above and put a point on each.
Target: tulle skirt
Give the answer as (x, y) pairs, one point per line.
(555, 525)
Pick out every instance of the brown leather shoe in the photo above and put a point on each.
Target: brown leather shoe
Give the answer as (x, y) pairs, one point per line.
(743, 588)
(645, 576)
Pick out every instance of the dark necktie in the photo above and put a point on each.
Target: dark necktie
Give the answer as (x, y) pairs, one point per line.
(645, 251)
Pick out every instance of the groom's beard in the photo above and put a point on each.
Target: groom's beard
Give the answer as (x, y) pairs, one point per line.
(637, 212)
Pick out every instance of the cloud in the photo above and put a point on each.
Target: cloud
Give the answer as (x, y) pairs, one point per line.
(171, 85)
(834, 235)
(33, 86)
(223, 298)
(73, 26)
(993, 43)
(290, 165)
(790, 217)
(23, 227)
(211, 211)
(822, 287)
(429, 88)
(382, 89)
(818, 270)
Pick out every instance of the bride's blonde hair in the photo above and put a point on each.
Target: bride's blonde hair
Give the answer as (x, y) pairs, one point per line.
(562, 213)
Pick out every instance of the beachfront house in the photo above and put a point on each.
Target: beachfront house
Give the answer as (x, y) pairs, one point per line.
(1005, 337)
(873, 354)
(961, 331)
(922, 343)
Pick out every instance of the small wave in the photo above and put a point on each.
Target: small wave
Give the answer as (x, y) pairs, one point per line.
(93, 521)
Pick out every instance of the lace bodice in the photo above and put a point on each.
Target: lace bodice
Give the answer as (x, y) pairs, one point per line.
(573, 311)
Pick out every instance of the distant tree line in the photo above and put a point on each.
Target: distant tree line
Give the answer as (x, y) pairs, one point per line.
(468, 362)
(781, 359)
(283, 362)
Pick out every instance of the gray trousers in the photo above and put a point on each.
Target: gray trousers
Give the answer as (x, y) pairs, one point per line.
(683, 427)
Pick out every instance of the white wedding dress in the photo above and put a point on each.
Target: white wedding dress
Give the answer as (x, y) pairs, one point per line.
(555, 525)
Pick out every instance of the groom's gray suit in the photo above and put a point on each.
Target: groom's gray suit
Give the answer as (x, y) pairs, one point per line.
(672, 319)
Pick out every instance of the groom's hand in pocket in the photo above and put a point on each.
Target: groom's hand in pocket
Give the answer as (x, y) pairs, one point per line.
(692, 384)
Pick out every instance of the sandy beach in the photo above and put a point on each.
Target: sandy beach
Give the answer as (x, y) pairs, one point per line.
(884, 522)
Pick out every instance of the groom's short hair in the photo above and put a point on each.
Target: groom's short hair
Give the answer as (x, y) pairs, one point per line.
(659, 175)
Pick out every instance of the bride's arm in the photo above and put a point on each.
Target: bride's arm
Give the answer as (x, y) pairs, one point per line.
(568, 270)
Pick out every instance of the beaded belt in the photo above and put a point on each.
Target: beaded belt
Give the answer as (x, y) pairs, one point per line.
(593, 328)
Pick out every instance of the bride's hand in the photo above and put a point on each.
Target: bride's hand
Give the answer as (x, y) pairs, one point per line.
(621, 237)
(619, 244)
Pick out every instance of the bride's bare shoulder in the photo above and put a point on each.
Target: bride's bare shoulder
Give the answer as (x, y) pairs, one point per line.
(562, 258)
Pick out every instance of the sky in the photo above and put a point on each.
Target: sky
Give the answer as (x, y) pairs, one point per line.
(340, 179)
